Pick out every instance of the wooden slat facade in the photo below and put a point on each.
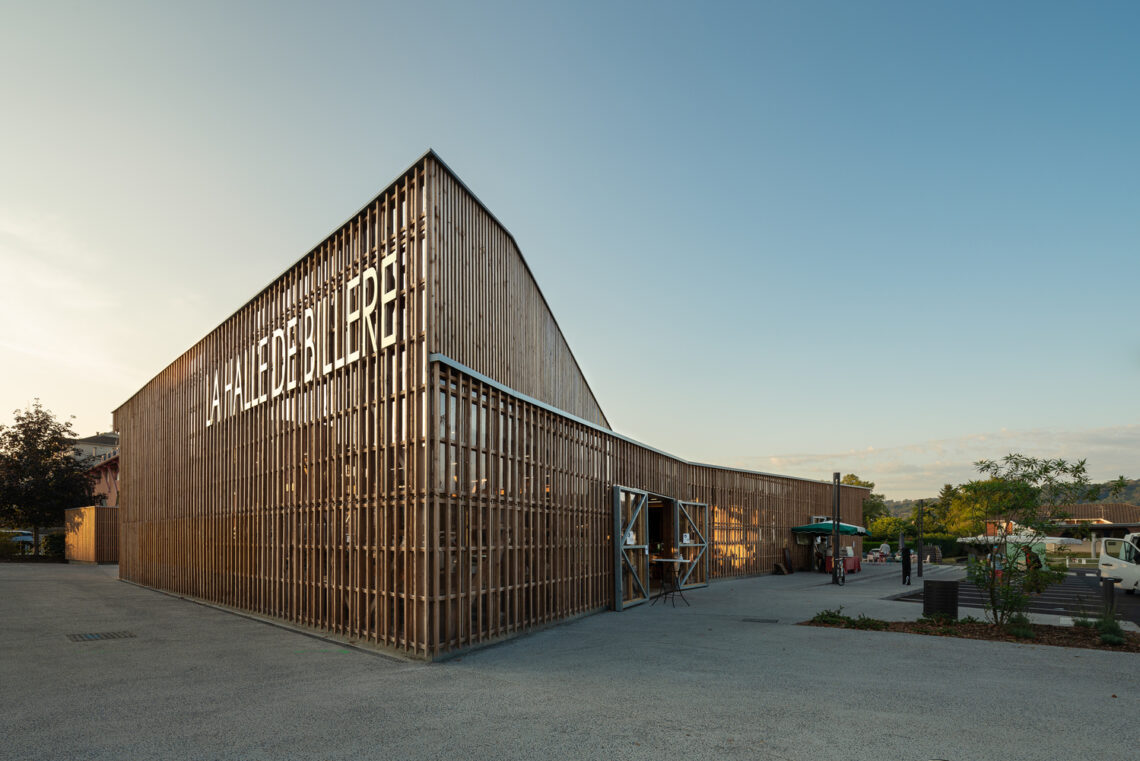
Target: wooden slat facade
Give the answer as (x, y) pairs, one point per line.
(488, 312)
(92, 534)
(311, 460)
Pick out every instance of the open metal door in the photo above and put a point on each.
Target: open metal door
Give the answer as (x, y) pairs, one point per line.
(693, 544)
(631, 547)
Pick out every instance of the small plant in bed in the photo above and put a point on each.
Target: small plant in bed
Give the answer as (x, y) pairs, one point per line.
(863, 622)
(1110, 631)
(831, 617)
(1020, 627)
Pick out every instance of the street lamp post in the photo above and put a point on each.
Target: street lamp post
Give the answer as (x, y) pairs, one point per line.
(921, 512)
(835, 559)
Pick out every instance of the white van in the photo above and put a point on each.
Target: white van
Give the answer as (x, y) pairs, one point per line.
(1121, 558)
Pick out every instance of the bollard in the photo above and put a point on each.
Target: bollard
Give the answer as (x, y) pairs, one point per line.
(1109, 585)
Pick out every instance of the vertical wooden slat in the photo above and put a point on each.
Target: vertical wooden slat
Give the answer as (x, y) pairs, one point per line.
(399, 501)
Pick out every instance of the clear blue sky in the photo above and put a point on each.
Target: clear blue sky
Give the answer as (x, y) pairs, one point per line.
(888, 238)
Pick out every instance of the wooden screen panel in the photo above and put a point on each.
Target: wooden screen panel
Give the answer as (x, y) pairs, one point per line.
(489, 313)
(92, 534)
(413, 506)
(307, 505)
(521, 511)
(522, 524)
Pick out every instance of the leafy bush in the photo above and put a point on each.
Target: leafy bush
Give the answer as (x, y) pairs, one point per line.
(9, 548)
(947, 542)
(939, 619)
(1110, 631)
(55, 545)
(1020, 627)
(836, 618)
(863, 622)
(831, 617)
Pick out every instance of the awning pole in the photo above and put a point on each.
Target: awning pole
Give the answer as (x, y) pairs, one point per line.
(835, 559)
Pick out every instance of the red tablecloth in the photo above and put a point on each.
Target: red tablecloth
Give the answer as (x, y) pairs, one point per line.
(850, 565)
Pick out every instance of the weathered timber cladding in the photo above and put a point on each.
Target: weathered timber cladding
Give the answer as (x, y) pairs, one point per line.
(522, 508)
(309, 505)
(489, 314)
(92, 534)
(394, 499)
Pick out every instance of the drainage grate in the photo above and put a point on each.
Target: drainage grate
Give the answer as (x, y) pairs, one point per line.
(92, 636)
(760, 620)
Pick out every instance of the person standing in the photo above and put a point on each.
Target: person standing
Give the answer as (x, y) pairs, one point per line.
(905, 565)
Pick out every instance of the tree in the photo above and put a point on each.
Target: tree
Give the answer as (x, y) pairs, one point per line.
(1019, 501)
(874, 505)
(943, 510)
(40, 476)
(886, 527)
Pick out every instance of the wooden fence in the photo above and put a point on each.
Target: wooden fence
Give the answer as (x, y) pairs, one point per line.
(92, 534)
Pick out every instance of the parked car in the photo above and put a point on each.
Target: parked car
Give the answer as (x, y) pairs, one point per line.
(25, 539)
(1120, 559)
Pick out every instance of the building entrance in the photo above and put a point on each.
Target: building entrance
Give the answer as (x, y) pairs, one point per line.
(660, 542)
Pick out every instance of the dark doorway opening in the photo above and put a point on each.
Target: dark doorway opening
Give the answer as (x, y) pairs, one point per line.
(657, 540)
(662, 538)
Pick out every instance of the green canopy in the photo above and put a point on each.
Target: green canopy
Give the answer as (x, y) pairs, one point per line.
(825, 528)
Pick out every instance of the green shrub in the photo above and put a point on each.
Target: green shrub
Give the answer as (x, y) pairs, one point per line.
(948, 543)
(1021, 631)
(1110, 631)
(939, 619)
(9, 548)
(831, 617)
(1020, 627)
(54, 545)
(863, 622)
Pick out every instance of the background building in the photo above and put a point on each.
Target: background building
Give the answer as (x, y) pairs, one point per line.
(96, 447)
(394, 443)
(105, 480)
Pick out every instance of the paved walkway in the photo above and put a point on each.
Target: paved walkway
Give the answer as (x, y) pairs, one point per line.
(710, 681)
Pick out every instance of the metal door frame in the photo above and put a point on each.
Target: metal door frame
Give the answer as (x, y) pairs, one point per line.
(702, 532)
(639, 522)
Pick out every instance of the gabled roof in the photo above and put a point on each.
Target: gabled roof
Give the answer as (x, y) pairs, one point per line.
(99, 439)
(430, 155)
(1113, 512)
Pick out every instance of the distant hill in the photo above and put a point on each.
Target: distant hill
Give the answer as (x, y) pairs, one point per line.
(1130, 495)
(902, 508)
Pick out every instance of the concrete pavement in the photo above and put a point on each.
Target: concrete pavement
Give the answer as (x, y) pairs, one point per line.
(710, 681)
